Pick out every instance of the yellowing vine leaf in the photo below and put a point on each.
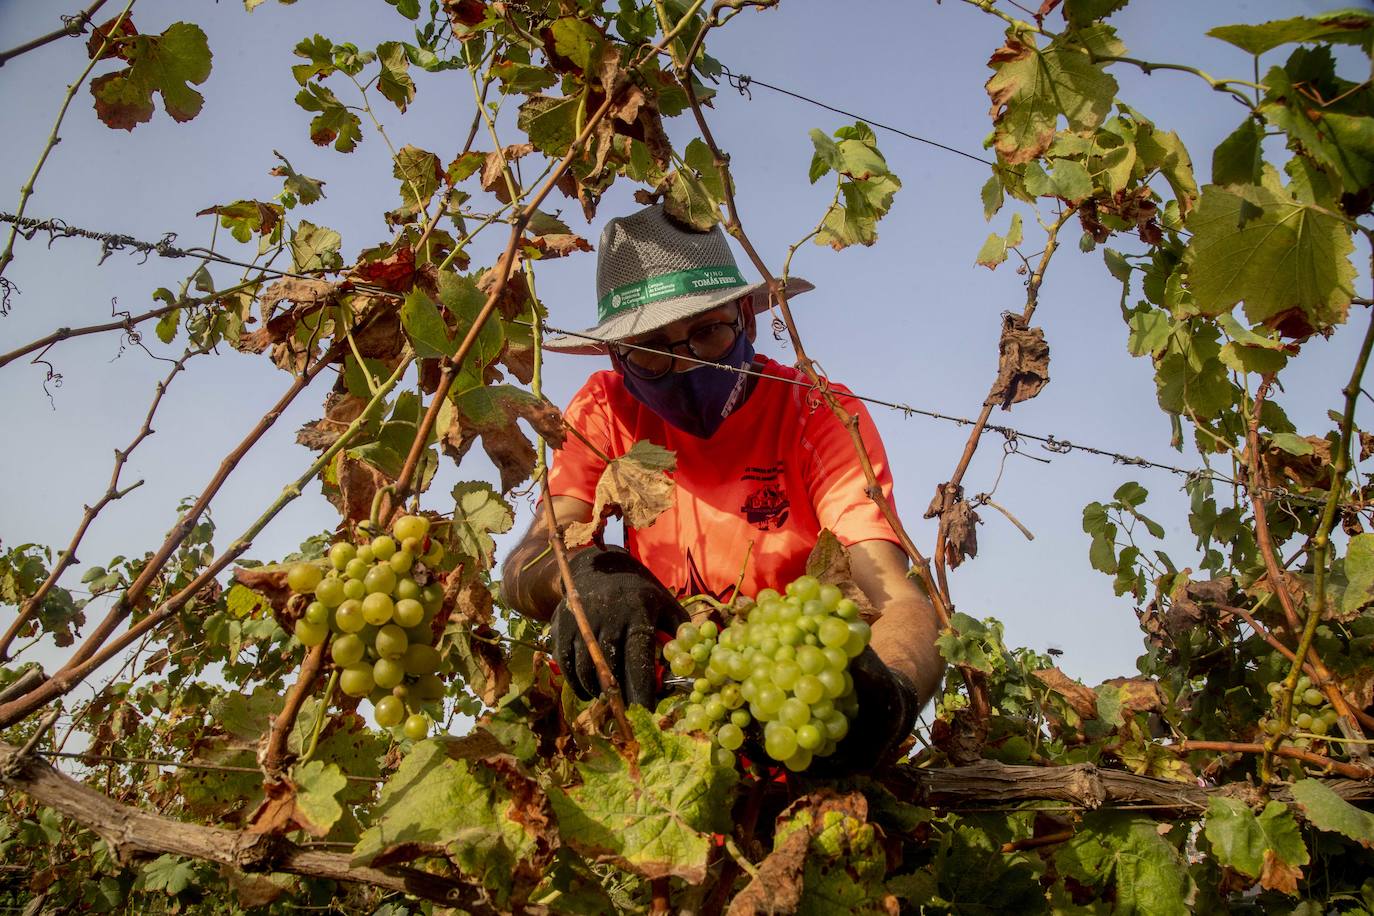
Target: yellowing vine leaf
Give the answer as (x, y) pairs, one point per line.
(635, 486)
(1286, 261)
(165, 64)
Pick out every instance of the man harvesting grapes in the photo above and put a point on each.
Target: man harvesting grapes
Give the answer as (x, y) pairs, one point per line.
(762, 469)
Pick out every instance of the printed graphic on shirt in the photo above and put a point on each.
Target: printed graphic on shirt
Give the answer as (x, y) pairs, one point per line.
(696, 584)
(766, 505)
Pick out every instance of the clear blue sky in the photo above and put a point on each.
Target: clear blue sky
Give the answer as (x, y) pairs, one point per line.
(911, 320)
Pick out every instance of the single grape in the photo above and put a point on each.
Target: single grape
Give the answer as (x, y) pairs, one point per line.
(401, 561)
(435, 554)
(380, 579)
(387, 672)
(741, 718)
(416, 727)
(836, 726)
(389, 712)
(799, 761)
(723, 758)
(794, 713)
(1303, 721)
(836, 659)
(1313, 697)
(330, 592)
(365, 554)
(311, 634)
(420, 659)
(1319, 727)
(809, 689)
(770, 699)
(830, 596)
(432, 595)
(730, 695)
(811, 659)
(356, 680)
(1274, 688)
(383, 547)
(708, 629)
(688, 635)
(715, 709)
(411, 526)
(809, 737)
(682, 665)
(340, 554)
(730, 736)
(391, 641)
(303, 577)
(833, 632)
(805, 588)
(847, 609)
(317, 613)
(1303, 683)
(785, 674)
(408, 612)
(347, 650)
(407, 588)
(779, 741)
(695, 719)
(354, 590)
(1330, 716)
(378, 609)
(357, 568)
(767, 595)
(348, 617)
(428, 687)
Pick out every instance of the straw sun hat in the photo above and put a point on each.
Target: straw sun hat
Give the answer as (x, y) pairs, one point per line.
(651, 272)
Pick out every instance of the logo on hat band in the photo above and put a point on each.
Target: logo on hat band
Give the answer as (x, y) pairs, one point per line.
(667, 286)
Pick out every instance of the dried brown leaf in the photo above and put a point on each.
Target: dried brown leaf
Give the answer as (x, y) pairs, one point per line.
(1023, 363)
(515, 295)
(1083, 700)
(395, 272)
(493, 169)
(1278, 875)
(356, 482)
(628, 489)
(502, 439)
(829, 562)
(340, 409)
(1137, 694)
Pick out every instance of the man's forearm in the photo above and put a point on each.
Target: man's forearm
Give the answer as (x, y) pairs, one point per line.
(905, 640)
(530, 580)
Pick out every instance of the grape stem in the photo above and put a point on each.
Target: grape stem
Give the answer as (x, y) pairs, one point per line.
(320, 715)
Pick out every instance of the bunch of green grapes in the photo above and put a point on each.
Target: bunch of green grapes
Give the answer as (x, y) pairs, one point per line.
(378, 620)
(785, 664)
(1311, 713)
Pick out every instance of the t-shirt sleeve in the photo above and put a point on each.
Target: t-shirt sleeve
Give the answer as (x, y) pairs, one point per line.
(576, 466)
(836, 476)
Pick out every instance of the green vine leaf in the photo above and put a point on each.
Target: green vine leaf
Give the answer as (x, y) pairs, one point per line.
(1032, 87)
(1239, 159)
(1328, 811)
(655, 817)
(334, 123)
(165, 64)
(1127, 853)
(1359, 572)
(994, 250)
(169, 874)
(1287, 261)
(315, 247)
(394, 82)
(1343, 26)
(866, 185)
(486, 817)
(1268, 847)
(478, 513)
(1082, 13)
(316, 785)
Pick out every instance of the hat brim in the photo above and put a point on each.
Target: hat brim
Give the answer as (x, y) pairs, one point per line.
(655, 315)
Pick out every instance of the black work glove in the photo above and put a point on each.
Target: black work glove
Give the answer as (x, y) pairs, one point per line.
(887, 713)
(625, 606)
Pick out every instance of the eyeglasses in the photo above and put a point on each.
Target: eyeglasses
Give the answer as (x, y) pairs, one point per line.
(653, 359)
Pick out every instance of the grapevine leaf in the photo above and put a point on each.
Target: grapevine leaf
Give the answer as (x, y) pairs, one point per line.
(478, 512)
(578, 41)
(491, 412)
(319, 51)
(1255, 846)
(244, 602)
(636, 487)
(244, 218)
(1032, 87)
(550, 122)
(1067, 179)
(486, 816)
(992, 195)
(169, 874)
(1359, 572)
(994, 250)
(653, 817)
(1277, 255)
(1238, 159)
(1343, 26)
(826, 858)
(463, 300)
(394, 82)
(334, 123)
(317, 783)
(1127, 853)
(164, 64)
(315, 247)
(425, 327)
(1081, 13)
(1328, 811)
(1338, 135)
(419, 172)
(520, 78)
(1162, 150)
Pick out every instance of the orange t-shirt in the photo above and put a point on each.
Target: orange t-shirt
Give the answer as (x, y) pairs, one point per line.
(777, 471)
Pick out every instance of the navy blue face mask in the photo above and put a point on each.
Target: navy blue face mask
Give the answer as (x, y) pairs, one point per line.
(699, 400)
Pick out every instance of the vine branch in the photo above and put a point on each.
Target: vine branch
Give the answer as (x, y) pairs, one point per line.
(75, 25)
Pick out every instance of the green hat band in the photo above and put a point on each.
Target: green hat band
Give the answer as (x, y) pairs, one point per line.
(667, 286)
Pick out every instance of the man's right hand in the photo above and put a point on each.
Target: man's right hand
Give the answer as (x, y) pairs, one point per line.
(625, 606)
